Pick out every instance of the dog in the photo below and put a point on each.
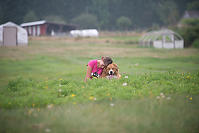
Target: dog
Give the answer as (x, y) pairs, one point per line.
(111, 71)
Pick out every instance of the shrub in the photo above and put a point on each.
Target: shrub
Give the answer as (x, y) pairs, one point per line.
(196, 43)
(124, 23)
(86, 21)
(189, 31)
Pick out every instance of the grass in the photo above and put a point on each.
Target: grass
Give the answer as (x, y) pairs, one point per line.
(42, 88)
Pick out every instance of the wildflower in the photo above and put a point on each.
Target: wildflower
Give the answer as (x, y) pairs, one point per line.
(158, 97)
(136, 64)
(30, 111)
(168, 98)
(190, 98)
(47, 130)
(162, 95)
(112, 104)
(60, 79)
(60, 85)
(124, 84)
(33, 105)
(59, 90)
(91, 97)
(126, 77)
(74, 103)
(73, 95)
(50, 106)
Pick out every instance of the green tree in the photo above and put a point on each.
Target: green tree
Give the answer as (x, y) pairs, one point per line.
(193, 5)
(168, 12)
(30, 16)
(123, 23)
(86, 20)
(55, 19)
(101, 10)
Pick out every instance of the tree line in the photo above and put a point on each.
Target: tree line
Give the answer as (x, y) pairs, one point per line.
(101, 14)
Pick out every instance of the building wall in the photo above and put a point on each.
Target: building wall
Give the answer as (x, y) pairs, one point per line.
(43, 29)
(36, 30)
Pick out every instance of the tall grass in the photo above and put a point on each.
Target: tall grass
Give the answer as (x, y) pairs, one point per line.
(42, 88)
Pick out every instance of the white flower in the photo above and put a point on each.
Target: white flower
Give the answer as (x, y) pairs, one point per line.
(50, 106)
(60, 85)
(94, 98)
(59, 90)
(168, 98)
(126, 77)
(158, 97)
(112, 104)
(124, 84)
(47, 130)
(161, 94)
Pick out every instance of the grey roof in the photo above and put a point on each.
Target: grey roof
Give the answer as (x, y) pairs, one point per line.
(33, 23)
(153, 35)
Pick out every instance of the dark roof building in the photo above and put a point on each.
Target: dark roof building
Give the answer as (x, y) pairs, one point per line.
(191, 14)
(43, 28)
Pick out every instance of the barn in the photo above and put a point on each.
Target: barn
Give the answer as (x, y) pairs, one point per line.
(12, 35)
(44, 28)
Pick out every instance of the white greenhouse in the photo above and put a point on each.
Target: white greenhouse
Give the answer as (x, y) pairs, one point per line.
(162, 39)
(13, 35)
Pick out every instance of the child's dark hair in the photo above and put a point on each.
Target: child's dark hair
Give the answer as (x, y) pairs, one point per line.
(107, 61)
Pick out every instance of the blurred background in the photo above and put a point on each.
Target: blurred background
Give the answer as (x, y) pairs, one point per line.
(181, 16)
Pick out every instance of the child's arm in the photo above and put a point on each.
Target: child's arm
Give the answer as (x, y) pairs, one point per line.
(88, 73)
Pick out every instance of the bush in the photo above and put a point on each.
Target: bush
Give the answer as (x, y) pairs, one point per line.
(196, 43)
(86, 21)
(124, 23)
(189, 31)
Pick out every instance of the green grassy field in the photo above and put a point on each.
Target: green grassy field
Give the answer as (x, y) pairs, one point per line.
(42, 88)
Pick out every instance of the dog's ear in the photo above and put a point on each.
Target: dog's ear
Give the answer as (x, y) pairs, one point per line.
(106, 69)
(115, 65)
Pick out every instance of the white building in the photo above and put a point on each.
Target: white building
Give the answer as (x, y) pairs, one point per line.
(13, 35)
(162, 39)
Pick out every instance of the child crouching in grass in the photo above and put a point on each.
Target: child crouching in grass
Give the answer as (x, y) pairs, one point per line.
(96, 66)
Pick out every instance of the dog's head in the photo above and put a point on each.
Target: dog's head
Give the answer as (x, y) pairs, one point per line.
(112, 69)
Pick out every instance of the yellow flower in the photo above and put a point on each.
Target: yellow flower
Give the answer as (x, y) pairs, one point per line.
(91, 97)
(60, 79)
(74, 103)
(73, 95)
(108, 94)
(29, 112)
(110, 98)
(190, 98)
(33, 105)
